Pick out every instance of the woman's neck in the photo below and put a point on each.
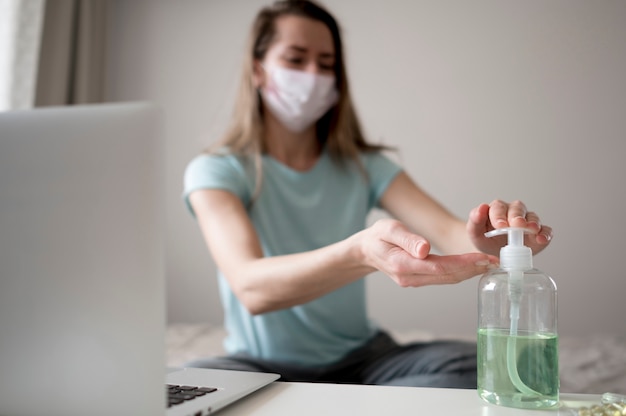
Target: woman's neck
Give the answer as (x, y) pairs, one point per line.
(299, 151)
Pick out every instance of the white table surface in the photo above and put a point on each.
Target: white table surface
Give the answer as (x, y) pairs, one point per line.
(304, 399)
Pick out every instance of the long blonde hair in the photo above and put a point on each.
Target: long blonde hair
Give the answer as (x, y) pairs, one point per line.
(338, 130)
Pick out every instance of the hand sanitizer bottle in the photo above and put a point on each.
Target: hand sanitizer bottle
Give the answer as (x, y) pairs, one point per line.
(517, 337)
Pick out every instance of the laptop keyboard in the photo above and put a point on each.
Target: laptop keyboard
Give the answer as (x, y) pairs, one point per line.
(179, 394)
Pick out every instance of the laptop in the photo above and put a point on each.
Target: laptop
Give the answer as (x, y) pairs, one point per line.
(82, 304)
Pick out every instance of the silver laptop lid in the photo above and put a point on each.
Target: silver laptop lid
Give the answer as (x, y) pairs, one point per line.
(81, 276)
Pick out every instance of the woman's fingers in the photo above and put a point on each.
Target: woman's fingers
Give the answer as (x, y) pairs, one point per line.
(503, 214)
(397, 234)
(439, 270)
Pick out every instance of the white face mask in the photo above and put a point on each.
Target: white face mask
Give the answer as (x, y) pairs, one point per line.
(297, 98)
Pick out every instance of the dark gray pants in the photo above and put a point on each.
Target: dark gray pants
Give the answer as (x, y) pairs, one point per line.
(381, 361)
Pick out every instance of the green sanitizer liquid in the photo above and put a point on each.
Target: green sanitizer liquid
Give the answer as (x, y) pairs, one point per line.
(519, 371)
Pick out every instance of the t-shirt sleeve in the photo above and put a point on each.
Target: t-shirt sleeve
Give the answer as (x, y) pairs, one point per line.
(215, 172)
(381, 171)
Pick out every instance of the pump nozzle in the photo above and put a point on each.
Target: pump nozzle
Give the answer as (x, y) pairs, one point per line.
(515, 255)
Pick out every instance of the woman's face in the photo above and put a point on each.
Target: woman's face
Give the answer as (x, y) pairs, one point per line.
(300, 43)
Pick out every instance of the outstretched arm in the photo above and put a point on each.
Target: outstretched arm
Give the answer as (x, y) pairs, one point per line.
(265, 284)
(407, 202)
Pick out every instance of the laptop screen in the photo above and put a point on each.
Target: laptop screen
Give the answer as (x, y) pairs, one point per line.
(82, 312)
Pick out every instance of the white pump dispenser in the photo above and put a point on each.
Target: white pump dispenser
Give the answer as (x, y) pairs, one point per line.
(517, 329)
(515, 255)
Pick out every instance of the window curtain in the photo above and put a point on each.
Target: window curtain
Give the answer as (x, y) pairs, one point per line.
(20, 35)
(72, 55)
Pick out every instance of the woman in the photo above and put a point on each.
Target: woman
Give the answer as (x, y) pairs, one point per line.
(282, 202)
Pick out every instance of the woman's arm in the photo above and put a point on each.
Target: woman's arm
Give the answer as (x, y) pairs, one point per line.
(264, 284)
(408, 203)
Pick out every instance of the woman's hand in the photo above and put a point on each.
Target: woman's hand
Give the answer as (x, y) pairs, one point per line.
(499, 214)
(389, 246)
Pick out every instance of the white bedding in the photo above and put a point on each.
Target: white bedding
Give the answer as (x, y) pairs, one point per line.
(589, 365)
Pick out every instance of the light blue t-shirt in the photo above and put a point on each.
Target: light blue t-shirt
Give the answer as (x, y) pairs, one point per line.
(296, 212)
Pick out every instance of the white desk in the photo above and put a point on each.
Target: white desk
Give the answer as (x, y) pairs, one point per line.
(304, 399)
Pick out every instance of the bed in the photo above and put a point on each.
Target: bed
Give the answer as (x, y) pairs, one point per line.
(587, 365)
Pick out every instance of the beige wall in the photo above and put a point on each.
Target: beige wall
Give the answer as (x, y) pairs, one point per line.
(484, 100)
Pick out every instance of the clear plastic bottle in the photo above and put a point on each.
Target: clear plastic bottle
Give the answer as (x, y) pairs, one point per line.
(517, 330)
